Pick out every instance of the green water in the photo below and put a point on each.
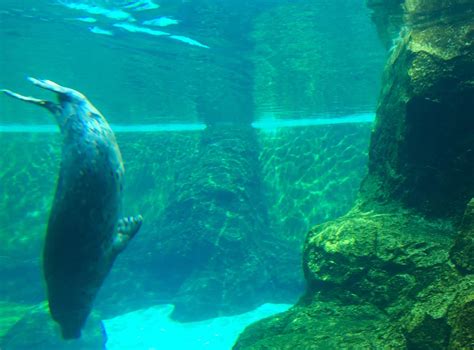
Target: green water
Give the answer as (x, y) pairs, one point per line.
(289, 59)
(244, 126)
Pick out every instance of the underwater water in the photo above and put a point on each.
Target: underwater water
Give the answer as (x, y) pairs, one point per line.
(241, 124)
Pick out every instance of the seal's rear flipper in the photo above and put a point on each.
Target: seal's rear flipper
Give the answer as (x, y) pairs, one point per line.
(64, 93)
(46, 104)
(127, 228)
(50, 85)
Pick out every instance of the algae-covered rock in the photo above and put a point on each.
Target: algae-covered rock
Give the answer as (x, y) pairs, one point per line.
(442, 317)
(212, 246)
(378, 256)
(461, 315)
(437, 8)
(391, 254)
(323, 324)
(421, 147)
(10, 313)
(36, 330)
(395, 266)
(462, 252)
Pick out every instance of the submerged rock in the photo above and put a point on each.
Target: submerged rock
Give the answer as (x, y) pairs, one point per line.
(462, 252)
(10, 315)
(323, 324)
(400, 255)
(37, 330)
(421, 148)
(442, 317)
(213, 246)
(381, 257)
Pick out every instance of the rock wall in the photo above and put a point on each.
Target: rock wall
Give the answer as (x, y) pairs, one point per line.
(237, 204)
(420, 151)
(208, 242)
(396, 270)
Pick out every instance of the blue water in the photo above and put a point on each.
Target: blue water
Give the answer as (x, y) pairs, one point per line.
(262, 124)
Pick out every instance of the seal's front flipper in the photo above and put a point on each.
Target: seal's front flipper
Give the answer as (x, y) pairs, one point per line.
(127, 228)
(46, 104)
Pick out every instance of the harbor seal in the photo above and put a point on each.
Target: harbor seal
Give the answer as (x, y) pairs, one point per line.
(85, 231)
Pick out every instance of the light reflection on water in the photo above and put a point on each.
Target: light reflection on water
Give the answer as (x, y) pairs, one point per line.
(264, 124)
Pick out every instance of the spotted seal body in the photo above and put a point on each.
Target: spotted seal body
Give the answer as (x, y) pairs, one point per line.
(85, 231)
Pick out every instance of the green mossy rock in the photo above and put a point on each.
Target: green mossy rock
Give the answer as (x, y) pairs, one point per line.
(442, 317)
(10, 313)
(214, 232)
(323, 324)
(421, 148)
(461, 315)
(379, 256)
(380, 280)
(37, 330)
(396, 271)
(462, 252)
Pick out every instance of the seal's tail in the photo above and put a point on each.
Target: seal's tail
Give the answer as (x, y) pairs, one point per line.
(43, 103)
(51, 86)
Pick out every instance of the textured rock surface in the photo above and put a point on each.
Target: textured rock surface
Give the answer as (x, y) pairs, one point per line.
(462, 252)
(323, 323)
(442, 316)
(11, 314)
(36, 330)
(213, 230)
(393, 265)
(404, 253)
(381, 257)
(421, 149)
